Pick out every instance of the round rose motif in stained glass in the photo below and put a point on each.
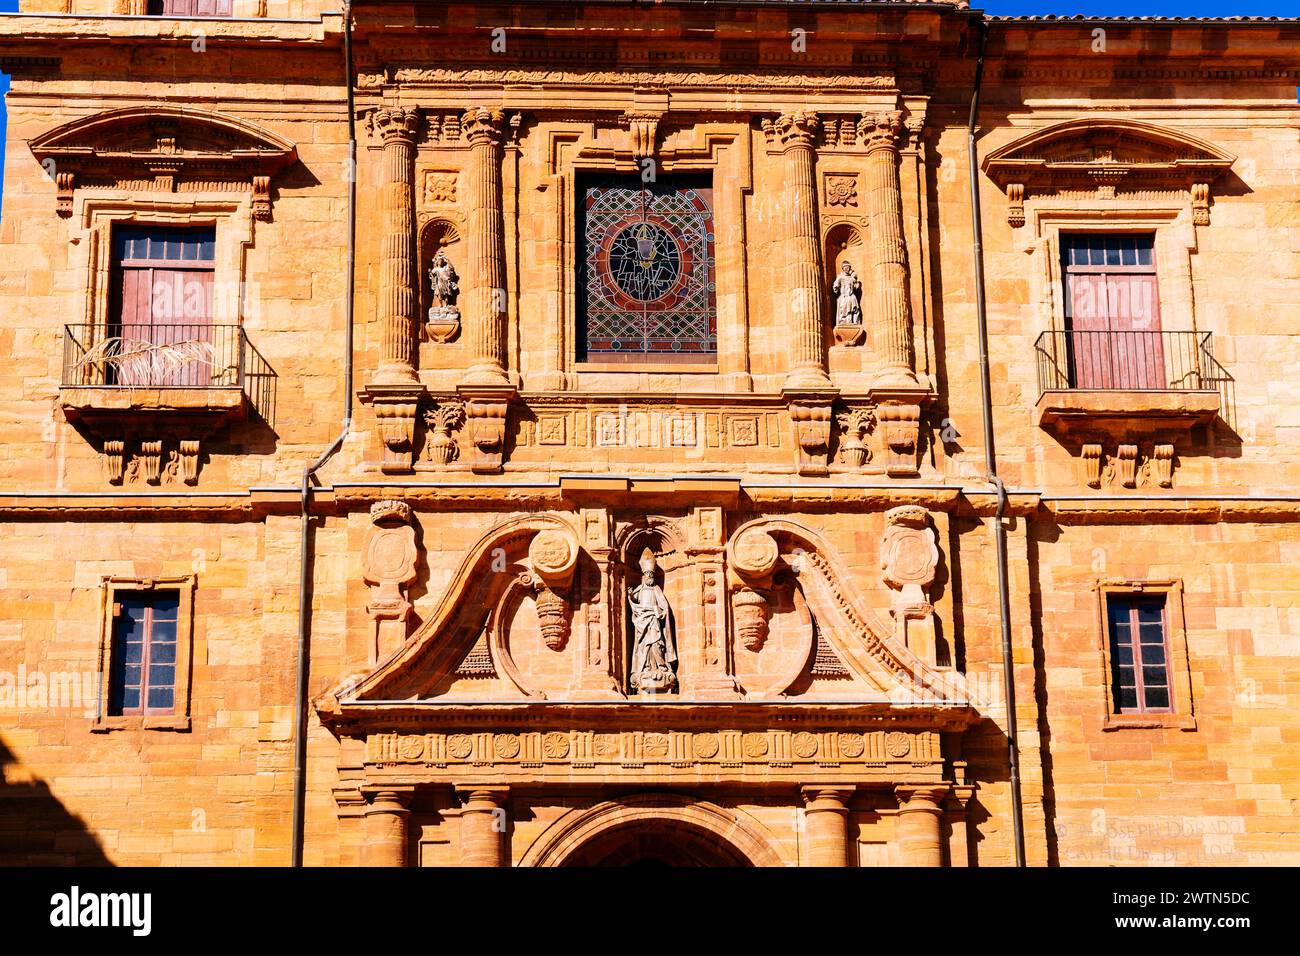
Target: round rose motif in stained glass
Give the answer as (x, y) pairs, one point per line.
(645, 262)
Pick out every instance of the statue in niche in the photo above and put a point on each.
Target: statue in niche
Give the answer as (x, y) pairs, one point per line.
(654, 652)
(846, 290)
(444, 317)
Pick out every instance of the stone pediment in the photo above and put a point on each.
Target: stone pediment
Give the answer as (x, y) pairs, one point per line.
(527, 621)
(1106, 156)
(163, 148)
(1088, 147)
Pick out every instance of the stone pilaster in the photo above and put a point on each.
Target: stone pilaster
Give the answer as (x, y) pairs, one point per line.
(797, 132)
(396, 128)
(826, 811)
(486, 314)
(387, 838)
(891, 313)
(920, 812)
(483, 826)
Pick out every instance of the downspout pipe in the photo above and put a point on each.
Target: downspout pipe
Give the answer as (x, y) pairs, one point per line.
(990, 455)
(308, 475)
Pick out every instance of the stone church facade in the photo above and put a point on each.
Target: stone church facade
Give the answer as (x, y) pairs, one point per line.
(534, 434)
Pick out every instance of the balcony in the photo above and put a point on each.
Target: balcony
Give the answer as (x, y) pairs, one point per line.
(1096, 378)
(197, 374)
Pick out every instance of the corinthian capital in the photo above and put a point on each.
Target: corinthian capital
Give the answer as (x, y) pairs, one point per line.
(395, 124)
(797, 129)
(483, 125)
(880, 130)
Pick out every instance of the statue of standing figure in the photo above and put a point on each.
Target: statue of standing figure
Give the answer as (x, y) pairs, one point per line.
(654, 652)
(846, 289)
(443, 282)
(444, 318)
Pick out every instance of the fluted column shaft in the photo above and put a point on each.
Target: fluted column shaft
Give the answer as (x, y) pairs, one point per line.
(797, 132)
(396, 128)
(487, 256)
(386, 829)
(891, 304)
(826, 812)
(920, 810)
(483, 826)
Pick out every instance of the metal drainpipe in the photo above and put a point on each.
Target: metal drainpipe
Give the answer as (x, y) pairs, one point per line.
(990, 458)
(304, 564)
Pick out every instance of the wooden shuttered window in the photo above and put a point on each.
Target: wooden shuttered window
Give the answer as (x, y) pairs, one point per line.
(1112, 311)
(163, 308)
(143, 659)
(1139, 654)
(190, 8)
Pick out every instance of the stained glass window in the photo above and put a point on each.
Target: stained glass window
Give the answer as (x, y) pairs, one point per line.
(647, 270)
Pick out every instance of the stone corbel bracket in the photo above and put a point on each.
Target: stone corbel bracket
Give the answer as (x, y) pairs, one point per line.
(487, 410)
(900, 425)
(643, 126)
(396, 410)
(812, 418)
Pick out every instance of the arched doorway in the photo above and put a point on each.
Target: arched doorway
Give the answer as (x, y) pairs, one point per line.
(663, 842)
(653, 830)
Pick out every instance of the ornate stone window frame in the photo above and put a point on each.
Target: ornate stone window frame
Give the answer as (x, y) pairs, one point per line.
(1175, 241)
(720, 149)
(1183, 715)
(111, 587)
(99, 214)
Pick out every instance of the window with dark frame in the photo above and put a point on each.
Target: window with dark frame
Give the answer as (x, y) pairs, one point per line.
(142, 676)
(190, 8)
(162, 304)
(1139, 654)
(1112, 310)
(646, 270)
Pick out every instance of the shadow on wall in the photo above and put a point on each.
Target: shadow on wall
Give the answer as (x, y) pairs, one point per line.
(35, 828)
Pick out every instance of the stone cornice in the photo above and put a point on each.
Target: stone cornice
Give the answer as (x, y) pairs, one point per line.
(46, 30)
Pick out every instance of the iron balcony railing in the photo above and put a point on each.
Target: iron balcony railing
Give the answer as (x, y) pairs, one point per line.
(168, 355)
(1131, 361)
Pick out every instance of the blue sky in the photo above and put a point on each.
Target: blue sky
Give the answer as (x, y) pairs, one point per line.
(1132, 8)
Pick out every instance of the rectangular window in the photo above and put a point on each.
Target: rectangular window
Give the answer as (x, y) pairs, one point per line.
(1139, 653)
(143, 659)
(190, 8)
(162, 306)
(646, 273)
(1112, 311)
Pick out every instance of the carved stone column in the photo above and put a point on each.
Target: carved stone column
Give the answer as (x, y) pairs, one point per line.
(486, 324)
(483, 826)
(826, 811)
(892, 311)
(386, 828)
(797, 132)
(396, 128)
(920, 810)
